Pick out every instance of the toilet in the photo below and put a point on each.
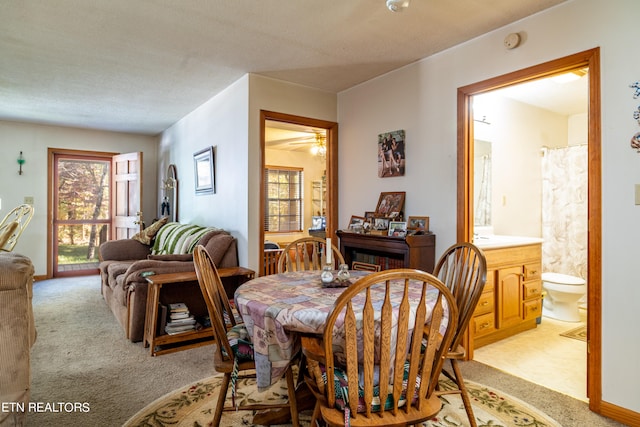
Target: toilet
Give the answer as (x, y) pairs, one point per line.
(563, 294)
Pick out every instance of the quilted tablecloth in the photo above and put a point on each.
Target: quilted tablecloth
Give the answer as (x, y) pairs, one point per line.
(276, 308)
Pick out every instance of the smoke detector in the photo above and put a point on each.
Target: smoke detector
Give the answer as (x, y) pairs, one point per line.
(397, 5)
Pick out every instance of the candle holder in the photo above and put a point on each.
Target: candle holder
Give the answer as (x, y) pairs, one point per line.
(21, 161)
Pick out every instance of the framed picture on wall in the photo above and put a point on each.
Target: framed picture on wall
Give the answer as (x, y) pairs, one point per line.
(204, 168)
(391, 157)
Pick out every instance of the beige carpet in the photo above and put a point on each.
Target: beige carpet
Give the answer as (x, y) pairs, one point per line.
(81, 355)
(193, 405)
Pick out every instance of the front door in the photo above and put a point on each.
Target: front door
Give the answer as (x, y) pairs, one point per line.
(81, 215)
(93, 197)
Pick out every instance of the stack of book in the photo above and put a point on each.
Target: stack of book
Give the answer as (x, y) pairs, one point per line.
(180, 319)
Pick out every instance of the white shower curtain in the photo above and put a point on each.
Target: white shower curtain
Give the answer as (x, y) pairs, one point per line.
(564, 210)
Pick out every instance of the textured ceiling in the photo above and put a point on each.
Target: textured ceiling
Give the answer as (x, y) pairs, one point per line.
(139, 66)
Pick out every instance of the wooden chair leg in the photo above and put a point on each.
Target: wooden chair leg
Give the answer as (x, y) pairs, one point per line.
(222, 396)
(463, 392)
(293, 406)
(316, 414)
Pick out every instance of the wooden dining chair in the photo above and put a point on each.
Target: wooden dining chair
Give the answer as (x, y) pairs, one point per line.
(463, 269)
(375, 368)
(233, 353)
(307, 253)
(20, 215)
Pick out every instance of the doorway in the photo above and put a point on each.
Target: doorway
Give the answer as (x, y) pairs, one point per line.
(81, 216)
(590, 60)
(91, 197)
(327, 187)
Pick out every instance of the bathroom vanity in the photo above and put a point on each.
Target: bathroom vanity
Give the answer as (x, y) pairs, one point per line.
(512, 297)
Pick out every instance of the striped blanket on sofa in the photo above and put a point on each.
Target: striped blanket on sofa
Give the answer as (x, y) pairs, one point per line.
(175, 238)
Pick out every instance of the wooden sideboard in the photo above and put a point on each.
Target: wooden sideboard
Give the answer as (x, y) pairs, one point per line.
(416, 251)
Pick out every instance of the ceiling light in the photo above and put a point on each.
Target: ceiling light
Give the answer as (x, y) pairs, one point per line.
(319, 148)
(397, 5)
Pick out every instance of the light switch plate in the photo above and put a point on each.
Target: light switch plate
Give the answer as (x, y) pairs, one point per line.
(28, 200)
(637, 194)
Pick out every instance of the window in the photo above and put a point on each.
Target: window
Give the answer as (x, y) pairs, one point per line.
(283, 210)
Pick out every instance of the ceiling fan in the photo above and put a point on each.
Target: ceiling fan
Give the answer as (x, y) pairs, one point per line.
(292, 137)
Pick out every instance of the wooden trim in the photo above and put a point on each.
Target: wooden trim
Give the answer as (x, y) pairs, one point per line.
(623, 415)
(331, 169)
(589, 58)
(51, 182)
(594, 272)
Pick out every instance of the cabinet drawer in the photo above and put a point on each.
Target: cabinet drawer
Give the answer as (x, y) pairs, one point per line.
(532, 309)
(532, 271)
(489, 284)
(484, 324)
(532, 289)
(485, 304)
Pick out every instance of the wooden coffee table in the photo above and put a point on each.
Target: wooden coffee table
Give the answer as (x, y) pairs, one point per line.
(163, 344)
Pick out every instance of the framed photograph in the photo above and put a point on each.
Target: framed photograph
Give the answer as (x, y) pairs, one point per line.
(390, 202)
(356, 222)
(391, 158)
(380, 223)
(397, 228)
(204, 167)
(420, 223)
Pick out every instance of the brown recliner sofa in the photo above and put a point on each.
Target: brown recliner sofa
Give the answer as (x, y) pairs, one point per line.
(17, 335)
(125, 265)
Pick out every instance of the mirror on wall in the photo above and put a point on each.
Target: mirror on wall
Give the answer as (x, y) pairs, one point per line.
(169, 204)
(482, 183)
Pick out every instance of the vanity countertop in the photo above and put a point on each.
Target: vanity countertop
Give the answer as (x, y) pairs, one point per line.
(493, 241)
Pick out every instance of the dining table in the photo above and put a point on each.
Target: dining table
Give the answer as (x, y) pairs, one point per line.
(278, 309)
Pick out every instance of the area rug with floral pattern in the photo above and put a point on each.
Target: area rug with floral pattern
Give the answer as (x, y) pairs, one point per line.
(193, 406)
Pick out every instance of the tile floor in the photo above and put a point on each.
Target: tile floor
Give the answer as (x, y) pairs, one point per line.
(543, 357)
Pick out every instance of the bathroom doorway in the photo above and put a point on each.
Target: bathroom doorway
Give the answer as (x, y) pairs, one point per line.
(588, 60)
(530, 151)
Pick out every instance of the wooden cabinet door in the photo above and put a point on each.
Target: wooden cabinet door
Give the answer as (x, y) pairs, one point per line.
(509, 296)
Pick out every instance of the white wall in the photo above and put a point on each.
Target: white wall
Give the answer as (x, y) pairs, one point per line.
(520, 131)
(34, 141)
(222, 123)
(421, 98)
(230, 121)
